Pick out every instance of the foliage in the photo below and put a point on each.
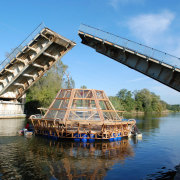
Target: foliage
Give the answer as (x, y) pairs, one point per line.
(141, 100)
(83, 87)
(175, 107)
(126, 99)
(116, 103)
(45, 90)
(147, 101)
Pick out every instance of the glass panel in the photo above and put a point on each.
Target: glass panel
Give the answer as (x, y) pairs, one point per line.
(83, 104)
(99, 94)
(79, 94)
(73, 116)
(64, 104)
(55, 114)
(60, 115)
(84, 115)
(62, 93)
(88, 94)
(115, 116)
(102, 105)
(105, 105)
(110, 116)
(67, 93)
(93, 105)
(83, 94)
(77, 104)
(107, 116)
(60, 104)
(51, 114)
(56, 103)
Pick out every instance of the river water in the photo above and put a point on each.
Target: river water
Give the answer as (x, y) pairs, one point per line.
(155, 156)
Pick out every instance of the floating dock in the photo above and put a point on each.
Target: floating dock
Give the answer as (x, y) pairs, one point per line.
(82, 115)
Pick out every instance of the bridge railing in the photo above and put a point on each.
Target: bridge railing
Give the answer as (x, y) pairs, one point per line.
(19, 48)
(136, 47)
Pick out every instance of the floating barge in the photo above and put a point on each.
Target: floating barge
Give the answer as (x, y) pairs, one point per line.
(82, 115)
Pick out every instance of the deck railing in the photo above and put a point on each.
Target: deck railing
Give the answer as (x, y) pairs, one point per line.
(19, 48)
(162, 57)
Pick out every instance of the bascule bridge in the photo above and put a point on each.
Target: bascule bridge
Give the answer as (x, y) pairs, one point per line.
(26, 65)
(153, 63)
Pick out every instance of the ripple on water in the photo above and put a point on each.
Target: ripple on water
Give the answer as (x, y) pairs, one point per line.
(40, 158)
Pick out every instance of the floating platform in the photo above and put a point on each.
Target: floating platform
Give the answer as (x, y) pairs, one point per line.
(82, 115)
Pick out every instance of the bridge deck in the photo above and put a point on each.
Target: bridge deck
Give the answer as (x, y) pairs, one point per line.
(30, 60)
(156, 64)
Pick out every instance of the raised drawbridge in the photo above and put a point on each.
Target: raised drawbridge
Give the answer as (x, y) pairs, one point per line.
(30, 61)
(158, 65)
(27, 64)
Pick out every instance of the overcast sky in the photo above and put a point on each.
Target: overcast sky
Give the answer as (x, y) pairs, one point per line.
(154, 23)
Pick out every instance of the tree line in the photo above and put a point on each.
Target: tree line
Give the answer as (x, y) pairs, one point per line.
(140, 101)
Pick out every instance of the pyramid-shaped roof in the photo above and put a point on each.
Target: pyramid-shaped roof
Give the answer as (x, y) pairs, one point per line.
(84, 105)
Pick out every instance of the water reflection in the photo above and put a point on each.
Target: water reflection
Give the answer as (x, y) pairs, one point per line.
(40, 158)
(153, 157)
(148, 122)
(10, 127)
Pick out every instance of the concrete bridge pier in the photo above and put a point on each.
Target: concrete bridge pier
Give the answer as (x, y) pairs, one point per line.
(12, 108)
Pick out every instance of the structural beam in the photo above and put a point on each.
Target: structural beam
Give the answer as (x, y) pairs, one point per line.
(152, 63)
(49, 55)
(38, 65)
(32, 59)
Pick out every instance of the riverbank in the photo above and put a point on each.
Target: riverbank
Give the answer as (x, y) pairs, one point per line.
(142, 112)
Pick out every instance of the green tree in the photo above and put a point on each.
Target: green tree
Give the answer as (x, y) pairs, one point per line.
(83, 87)
(126, 98)
(116, 102)
(148, 102)
(45, 90)
(175, 107)
(156, 104)
(143, 98)
(122, 94)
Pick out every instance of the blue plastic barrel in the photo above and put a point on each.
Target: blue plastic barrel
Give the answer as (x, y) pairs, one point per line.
(115, 137)
(77, 139)
(84, 138)
(119, 137)
(111, 139)
(91, 139)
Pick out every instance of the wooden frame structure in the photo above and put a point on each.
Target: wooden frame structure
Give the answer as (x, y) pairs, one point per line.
(82, 114)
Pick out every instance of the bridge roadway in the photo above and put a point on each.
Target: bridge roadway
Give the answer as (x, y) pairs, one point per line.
(158, 65)
(30, 60)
